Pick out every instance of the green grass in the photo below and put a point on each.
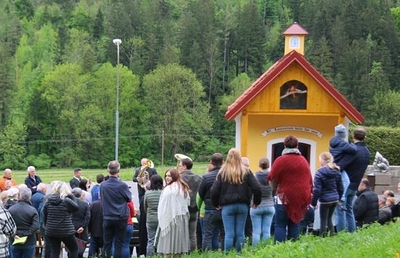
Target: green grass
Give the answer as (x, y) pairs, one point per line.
(66, 174)
(374, 242)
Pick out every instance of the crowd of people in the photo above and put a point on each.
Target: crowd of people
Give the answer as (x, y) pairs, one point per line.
(181, 212)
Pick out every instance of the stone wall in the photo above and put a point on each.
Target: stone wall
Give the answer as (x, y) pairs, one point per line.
(383, 181)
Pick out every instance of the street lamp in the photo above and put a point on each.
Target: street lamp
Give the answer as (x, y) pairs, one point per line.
(117, 42)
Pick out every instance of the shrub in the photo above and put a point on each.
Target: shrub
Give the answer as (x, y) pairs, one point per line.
(43, 161)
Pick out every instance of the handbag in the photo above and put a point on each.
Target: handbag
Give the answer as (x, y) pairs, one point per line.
(81, 246)
(216, 218)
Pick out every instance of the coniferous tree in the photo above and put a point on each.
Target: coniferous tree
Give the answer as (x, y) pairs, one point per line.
(321, 57)
(250, 42)
(98, 25)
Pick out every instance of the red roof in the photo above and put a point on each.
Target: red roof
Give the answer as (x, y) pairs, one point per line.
(276, 69)
(295, 29)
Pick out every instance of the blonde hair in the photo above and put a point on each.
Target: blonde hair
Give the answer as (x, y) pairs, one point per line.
(391, 200)
(60, 188)
(328, 158)
(233, 171)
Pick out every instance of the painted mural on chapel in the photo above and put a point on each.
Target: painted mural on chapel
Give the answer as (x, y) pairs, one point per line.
(293, 95)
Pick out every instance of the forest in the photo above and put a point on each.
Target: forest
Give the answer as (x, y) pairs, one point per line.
(179, 66)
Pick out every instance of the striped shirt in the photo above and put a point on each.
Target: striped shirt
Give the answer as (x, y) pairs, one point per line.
(9, 229)
(151, 199)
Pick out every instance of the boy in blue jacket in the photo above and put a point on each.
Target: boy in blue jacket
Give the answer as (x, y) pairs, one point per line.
(343, 154)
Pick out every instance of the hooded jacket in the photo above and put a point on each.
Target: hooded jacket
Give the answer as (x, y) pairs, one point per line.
(58, 215)
(343, 152)
(328, 186)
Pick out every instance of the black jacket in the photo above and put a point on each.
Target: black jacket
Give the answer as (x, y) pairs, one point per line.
(356, 169)
(81, 218)
(27, 220)
(366, 207)
(32, 183)
(205, 188)
(96, 219)
(58, 215)
(223, 193)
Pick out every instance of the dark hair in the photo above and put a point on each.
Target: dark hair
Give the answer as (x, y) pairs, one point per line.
(156, 182)
(217, 159)
(263, 163)
(76, 170)
(82, 184)
(389, 193)
(99, 178)
(365, 182)
(359, 133)
(290, 142)
(187, 163)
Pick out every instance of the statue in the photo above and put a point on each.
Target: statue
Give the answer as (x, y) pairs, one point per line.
(380, 163)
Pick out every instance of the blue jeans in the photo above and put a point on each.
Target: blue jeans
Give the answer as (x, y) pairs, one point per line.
(22, 251)
(345, 219)
(151, 234)
(96, 243)
(346, 183)
(234, 218)
(114, 232)
(261, 217)
(126, 252)
(285, 228)
(210, 231)
(10, 250)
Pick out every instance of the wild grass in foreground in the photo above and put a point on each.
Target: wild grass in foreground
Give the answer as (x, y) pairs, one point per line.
(373, 242)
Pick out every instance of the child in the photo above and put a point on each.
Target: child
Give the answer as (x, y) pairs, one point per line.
(343, 153)
(328, 189)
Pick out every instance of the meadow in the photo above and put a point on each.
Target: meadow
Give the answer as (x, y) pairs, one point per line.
(65, 174)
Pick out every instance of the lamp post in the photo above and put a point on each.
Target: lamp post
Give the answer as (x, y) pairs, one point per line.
(117, 42)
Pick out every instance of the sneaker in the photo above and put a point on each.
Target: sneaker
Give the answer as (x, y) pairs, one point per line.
(341, 206)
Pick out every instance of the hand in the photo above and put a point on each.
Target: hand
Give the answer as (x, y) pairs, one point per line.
(315, 207)
(16, 237)
(80, 230)
(255, 206)
(218, 208)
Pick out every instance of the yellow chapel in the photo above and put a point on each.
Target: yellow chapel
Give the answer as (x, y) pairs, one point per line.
(290, 98)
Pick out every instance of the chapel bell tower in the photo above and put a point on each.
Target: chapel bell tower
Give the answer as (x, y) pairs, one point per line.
(294, 38)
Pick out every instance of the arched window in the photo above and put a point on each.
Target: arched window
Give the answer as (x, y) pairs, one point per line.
(294, 42)
(293, 95)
